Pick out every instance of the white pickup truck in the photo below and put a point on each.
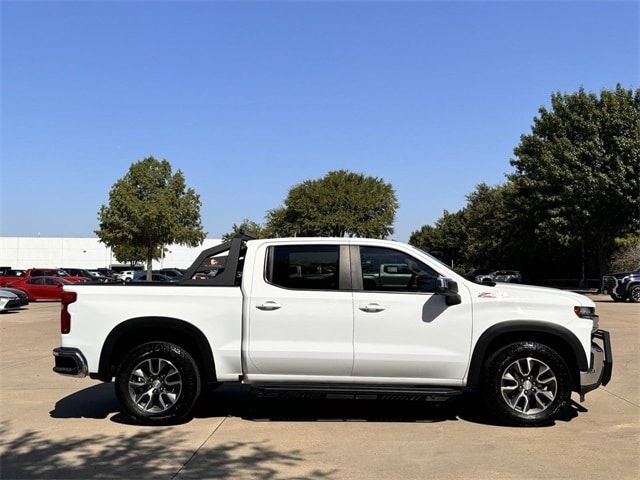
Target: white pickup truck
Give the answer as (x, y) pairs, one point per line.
(327, 314)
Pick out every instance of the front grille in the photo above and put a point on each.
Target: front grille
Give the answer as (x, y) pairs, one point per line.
(15, 303)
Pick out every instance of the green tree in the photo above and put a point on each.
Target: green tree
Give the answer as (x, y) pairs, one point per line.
(445, 240)
(246, 226)
(148, 208)
(132, 255)
(578, 171)
(497, 236)
(277, 224)
(338, 204)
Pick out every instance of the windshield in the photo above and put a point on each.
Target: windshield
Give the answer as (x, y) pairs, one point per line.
(431, 256)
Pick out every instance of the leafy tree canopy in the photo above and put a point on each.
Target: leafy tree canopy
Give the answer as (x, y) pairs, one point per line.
(148, 208)
(338, 204)
(579, 168)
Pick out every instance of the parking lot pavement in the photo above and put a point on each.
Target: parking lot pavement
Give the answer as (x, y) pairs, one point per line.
(57, 427)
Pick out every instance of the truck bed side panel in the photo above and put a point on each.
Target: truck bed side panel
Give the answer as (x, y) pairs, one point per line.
(216, 311)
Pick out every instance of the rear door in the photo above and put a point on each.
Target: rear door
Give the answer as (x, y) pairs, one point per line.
(300, 312)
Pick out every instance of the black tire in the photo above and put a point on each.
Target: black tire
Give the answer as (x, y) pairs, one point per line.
(159, 360)
(536, 388)
(634, 294)
(617, 298)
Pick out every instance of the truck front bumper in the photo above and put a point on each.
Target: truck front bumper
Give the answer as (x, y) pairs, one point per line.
(70, 361)
(601, 364)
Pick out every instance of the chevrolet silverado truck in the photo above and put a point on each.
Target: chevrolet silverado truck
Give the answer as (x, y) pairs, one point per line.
(326, 315)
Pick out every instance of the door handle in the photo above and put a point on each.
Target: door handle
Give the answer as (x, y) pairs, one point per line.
(269, 306)
(371, 308)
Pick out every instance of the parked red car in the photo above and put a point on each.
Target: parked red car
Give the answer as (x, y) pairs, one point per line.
(54, 272)
(41, 288)
(42, 272)
(10, 275)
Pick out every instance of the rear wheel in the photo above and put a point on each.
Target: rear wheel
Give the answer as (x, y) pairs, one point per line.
(158, 383)
(617, 298)
(526, 384)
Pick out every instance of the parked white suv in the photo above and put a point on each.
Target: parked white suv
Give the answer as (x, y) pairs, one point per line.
(333, 314)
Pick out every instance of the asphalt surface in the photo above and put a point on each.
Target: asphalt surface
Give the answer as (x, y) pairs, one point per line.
(57, 427)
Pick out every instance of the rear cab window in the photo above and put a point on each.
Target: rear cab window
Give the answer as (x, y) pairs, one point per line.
(304, 267)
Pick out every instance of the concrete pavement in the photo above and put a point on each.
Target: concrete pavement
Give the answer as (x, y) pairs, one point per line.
(57, 427)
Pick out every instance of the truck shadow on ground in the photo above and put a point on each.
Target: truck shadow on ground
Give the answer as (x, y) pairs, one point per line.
(100, 402)
(146, 454)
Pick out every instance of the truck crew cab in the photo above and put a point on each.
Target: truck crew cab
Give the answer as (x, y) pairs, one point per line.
(332, 315)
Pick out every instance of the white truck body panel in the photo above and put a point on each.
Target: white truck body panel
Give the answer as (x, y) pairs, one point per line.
(324, 336)
(216, 312)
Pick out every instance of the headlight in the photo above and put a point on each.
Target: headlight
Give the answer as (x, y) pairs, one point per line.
(585, 312)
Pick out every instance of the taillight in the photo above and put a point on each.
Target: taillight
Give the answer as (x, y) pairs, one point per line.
(65, 316)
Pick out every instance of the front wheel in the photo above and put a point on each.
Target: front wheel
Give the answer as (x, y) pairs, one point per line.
(158, 383)
(634, 294)
(526, 384)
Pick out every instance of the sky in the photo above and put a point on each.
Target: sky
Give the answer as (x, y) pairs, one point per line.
(249, 99)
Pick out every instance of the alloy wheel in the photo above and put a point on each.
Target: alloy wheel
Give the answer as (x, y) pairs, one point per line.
(155, 385)
(529, 386)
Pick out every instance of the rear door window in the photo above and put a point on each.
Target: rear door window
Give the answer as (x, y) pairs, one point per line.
(304, 267)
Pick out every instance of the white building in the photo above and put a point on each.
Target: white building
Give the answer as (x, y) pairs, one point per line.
(48, 252)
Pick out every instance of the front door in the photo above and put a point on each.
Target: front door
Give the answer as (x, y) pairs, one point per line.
(401, 328)
(301, 313)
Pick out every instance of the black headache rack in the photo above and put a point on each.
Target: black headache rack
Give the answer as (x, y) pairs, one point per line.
(230, 274)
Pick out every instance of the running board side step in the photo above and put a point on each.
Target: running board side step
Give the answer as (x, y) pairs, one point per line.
(358, 392)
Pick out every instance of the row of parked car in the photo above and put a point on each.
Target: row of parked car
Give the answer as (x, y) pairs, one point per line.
(486, 275)
(19, 287)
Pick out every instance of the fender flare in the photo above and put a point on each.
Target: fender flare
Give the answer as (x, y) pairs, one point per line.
(204, 353)
(518, 326)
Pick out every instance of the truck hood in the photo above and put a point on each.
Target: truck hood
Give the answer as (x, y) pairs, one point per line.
(541, 294)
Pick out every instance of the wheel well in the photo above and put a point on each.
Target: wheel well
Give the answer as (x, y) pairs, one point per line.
(567, 347)
(135, 332)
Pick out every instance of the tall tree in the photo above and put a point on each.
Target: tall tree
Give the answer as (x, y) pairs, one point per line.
(148, 208)
(579, 169)
(338, 204)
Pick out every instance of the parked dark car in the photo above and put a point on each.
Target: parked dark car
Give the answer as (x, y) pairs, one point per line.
(22, 296)
(622, 286)
(172, 273)
(499, 276)
(80, 272)
(155, 277)
(477, 272)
